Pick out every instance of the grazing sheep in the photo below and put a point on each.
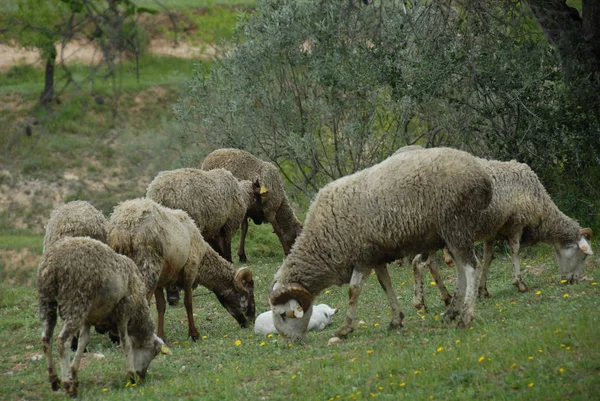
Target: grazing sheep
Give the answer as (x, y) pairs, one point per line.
(214, 199)
(412, 202)
(75, 219)
(322, 316)
(169, 251)
(88, 283)
(523, 214)
(274, 205)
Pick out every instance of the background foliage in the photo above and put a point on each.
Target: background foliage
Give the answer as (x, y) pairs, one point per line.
(324, 88)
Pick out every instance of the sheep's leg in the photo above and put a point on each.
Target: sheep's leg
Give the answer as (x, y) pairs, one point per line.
(386, 283)
(68, 331)
(459, 291)
(514, 245)
(433, 269)
(448, 258)
(279, 232)
(242, 247)
(467, 288)
(488, 255)
(356, 282)
(49, 316)
(187, 300)
(127, 348)
(418, 265)
(161, 307)
(84, 338)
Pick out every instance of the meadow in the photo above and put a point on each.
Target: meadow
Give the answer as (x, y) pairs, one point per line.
(540, 345)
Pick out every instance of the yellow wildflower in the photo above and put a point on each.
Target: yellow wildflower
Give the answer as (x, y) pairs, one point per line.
(538, 293)
(238, 343)
(481, 358)
(105, 390)
(566, 295)
(561, 370)
(402, 384)
(204, 337)
(370, 351)
(417, 372)
(262, 344)
(530, 384)
(563, 281)
(432, 283)
(269, 335)
(440, 349)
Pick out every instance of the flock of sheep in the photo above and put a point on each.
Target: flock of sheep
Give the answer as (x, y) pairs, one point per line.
(103, 272)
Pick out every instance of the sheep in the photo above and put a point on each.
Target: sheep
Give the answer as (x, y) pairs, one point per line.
(214, 199)
(169, 251)
(522, 213)
(321, 317)
(75, 219)
(410, 203)
(88, 283)
(274, 205)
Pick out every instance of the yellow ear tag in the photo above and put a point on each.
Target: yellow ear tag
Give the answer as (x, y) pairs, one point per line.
(263, 190)
(165, 350)
(298, 312)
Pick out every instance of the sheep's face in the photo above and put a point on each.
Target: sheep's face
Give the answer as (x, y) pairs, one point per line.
(290, 320)
(144, 353)
(571, 259)
(239, 304)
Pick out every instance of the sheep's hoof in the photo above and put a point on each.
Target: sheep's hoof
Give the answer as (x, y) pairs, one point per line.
(243, 258)
(343, 332)
(483, 292)
(195, 336)
(54, 383)
(395, 325)
(70, 388)
(461, 325)
(450, 315)
(334, 341)
(521, 286)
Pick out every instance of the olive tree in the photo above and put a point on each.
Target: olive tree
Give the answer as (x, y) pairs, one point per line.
(324, 88)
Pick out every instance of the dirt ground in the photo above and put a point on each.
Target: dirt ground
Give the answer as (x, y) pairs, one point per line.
(87, 53)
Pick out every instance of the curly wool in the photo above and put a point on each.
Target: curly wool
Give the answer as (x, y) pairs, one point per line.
(213, 199)
(93, 284)
(75, 219)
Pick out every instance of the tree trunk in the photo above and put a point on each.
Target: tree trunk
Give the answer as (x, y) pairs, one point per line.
(577, 41)
(48, 93)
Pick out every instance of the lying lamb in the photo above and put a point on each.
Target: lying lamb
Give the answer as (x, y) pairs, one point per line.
(321, 317)
(412, 202)
(88, 283)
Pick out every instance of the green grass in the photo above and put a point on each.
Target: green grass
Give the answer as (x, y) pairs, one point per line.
(540, 345)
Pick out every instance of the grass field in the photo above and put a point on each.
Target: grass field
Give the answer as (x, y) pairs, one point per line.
(541, 345)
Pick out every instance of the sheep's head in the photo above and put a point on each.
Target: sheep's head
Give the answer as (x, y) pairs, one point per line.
(144, 353)
(255, 211)
(239, 301)
(292, 308)
(571, 256)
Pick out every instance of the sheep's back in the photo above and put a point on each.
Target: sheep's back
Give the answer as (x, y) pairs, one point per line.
(81, 272)
(407, 203)
(75, 219)
(211, 198)
(245, 166)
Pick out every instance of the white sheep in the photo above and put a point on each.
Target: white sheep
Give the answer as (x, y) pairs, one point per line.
(214, 199)
(274, 205)
(87, 283)
(169, 251)
(322, 316)
(522, 213)
(410, 203)
(75, 219)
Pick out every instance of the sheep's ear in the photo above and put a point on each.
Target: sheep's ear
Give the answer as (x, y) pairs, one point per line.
(292, 292)
(585, 246)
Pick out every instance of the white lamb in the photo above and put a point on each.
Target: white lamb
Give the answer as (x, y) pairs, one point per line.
(321, 317)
